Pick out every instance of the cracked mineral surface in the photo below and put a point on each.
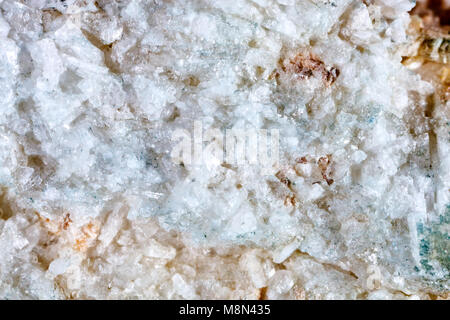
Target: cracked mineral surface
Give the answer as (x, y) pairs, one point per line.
(93, 204)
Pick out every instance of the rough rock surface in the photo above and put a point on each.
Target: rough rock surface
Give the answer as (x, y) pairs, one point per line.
(93, 205)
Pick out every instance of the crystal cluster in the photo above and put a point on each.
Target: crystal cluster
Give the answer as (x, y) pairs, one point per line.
(93, 204)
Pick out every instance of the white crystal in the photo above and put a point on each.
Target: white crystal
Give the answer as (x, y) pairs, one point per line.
(92, 91)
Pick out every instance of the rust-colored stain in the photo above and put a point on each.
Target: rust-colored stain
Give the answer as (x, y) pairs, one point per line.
(263, 293)
(304, 66)
(67, 221)
(290, 200)
(283, 179)
(323, 163)
(80, 244)
(302, 160)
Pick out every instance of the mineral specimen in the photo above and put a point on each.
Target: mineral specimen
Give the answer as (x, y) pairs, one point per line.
(351, 201)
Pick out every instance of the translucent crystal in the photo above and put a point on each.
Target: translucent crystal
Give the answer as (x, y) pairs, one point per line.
(91, 93)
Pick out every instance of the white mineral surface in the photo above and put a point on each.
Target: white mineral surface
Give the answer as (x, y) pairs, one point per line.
(93, 205)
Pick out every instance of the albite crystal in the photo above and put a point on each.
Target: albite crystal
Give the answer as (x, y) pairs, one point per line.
(93, 204)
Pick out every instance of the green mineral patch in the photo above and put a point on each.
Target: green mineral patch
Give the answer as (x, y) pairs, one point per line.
(435, 245)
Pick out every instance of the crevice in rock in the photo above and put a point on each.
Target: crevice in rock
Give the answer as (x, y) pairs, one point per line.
(263, 293)
(6, 211)
(106, 49)
(327, 265)
(429, 111)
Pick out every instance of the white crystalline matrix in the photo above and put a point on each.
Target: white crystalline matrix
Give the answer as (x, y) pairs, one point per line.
(355, 204)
